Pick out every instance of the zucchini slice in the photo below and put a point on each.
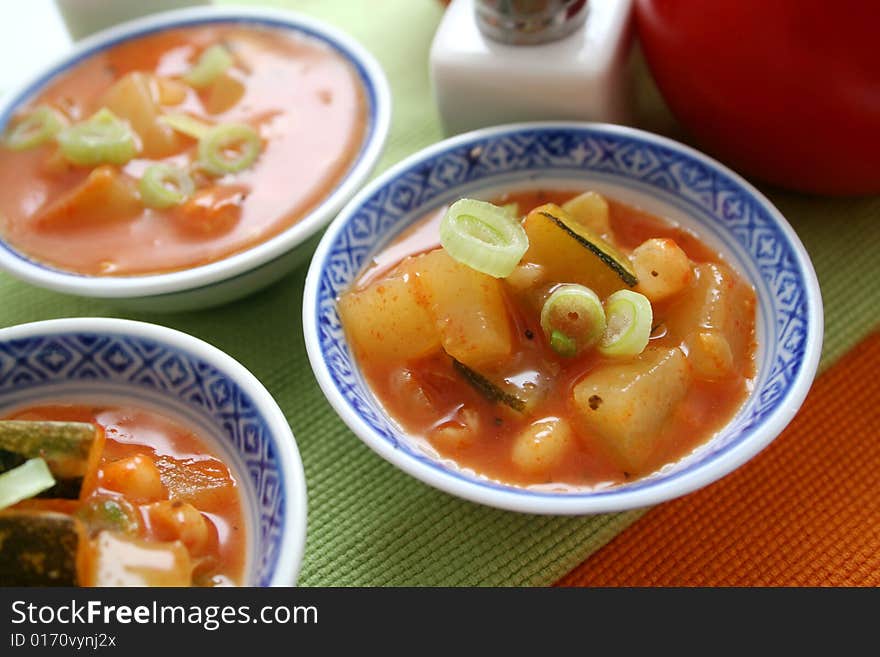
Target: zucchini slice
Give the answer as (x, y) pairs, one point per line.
(67, 448)
(39, 548)
(608, 254)
(64, 445)
(489, 390)
(518, 383)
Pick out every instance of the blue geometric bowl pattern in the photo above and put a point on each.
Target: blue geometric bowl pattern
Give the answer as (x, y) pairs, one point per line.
(53, 366)
(719, 202)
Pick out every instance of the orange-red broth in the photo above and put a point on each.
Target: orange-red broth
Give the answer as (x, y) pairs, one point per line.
(305, 100)
(189, 473)
(708, 405)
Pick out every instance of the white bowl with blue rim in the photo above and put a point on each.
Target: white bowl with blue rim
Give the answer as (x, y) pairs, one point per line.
(241, 273)
(641, 169)
(107, 361)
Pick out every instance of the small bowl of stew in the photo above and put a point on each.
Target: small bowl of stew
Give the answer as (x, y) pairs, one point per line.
(563, 318)
(136, 455)
(188, 158)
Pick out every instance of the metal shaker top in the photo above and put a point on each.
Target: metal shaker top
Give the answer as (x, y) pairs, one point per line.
(529, 22)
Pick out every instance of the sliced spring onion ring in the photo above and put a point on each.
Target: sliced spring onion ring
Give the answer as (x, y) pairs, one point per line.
(30, 478)
(229, 148)
(36, 128)
(629, 318)
(164, 185)
(512, 210)
(212, 63)
(575, 313)
(103, 139)
(186, 124)
(562, 344)
(484, 237)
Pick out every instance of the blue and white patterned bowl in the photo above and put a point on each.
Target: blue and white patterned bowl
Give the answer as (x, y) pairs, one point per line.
(638, 168)
(106, 361)
(242, 273)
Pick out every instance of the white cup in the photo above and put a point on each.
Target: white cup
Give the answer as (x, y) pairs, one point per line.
(82, 17)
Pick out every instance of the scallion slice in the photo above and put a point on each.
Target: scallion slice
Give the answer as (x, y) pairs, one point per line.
(164, 185)
(185, 124)
(229, 148)
(573, 312)
(30, 478)
(102, 139)
(484, 237)
(562, 344)
(629, 318)
(212, 63)
(34, 129)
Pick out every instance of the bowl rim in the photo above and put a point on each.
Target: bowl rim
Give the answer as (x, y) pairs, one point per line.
(542, 502)
(293, 537)
(378, 121)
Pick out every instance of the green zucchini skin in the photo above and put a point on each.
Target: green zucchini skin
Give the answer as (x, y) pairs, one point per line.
(617, 266)
(39, 548)
(491, 391)
(64, 445)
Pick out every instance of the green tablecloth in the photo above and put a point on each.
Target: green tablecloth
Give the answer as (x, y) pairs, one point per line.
(369, 524)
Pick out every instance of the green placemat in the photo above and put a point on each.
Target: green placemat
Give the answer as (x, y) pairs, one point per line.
(369, 524)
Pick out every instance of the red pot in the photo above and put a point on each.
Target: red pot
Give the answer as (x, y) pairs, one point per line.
(787, 91)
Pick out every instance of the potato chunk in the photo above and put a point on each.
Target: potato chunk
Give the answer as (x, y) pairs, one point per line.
(387, 319)
(467, 306)
(135, 98)
(170, 92)
(709, 354)
(627, 405)
(591, 209)
(223, 94)
(525, 276)
(117, 560)
(720, 303)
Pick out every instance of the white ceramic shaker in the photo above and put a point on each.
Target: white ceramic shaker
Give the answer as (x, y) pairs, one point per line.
(504, 61)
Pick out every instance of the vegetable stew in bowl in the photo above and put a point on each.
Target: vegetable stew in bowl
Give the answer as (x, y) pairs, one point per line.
(554, 339)
(188, 158)
(114, 496)
(562, 318)
(135, 455)
(178, 149)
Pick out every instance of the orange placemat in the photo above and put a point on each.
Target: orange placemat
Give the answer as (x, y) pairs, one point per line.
(804, 512)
